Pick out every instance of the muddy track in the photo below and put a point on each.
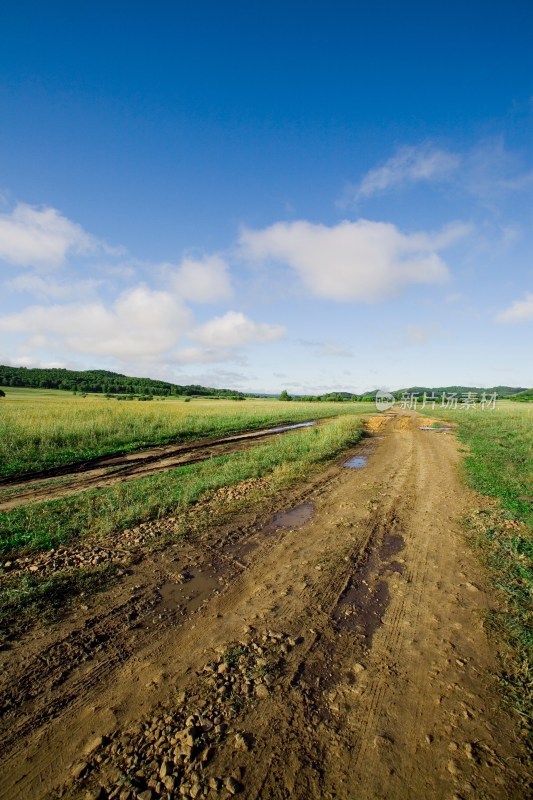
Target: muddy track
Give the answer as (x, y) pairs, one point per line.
(105, 471)
(387, 689)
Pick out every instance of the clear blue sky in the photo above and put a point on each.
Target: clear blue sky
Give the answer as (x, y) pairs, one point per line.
(311, 196)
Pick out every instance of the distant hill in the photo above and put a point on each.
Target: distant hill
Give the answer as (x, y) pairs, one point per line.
(102, 381)
(501, 391)
(523, 397)
(511, 392)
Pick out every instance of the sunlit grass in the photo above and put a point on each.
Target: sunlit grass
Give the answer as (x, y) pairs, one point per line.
(43, 430)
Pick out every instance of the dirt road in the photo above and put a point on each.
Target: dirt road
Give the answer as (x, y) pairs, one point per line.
(336, 651)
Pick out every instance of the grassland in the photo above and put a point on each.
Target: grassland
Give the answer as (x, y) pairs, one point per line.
(499, 464)
(40, 429)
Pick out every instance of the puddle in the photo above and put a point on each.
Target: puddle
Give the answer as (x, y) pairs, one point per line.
(284, 520)
(357, 462)
(430, 428)
(391, 545)
(363, 604)
(294, 518)
(189, 595)
(292, 427)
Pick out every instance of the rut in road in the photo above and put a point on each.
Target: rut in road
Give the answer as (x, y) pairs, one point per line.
(389, 689)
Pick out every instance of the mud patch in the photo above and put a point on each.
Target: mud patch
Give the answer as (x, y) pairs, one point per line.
(391, 545)
(361, 607)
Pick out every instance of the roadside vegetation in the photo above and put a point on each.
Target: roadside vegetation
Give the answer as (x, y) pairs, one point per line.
(499, 464)
(41, 430)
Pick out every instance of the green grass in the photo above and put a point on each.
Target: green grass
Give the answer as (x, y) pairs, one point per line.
(41, 429)
(42, 526)
(499, 464)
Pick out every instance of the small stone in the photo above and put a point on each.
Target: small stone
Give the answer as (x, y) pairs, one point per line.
(232, 785)
(93, 745)
(78, 769)
(165, 769)
(146, 795)
(261, 691)
(98, 794)
(429, 738)
(359, 668)
(240, 742)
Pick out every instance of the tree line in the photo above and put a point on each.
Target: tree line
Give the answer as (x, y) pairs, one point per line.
(102, 381)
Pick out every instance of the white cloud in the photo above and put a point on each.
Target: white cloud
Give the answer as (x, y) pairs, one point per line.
(31, 236)
(364, 261)
(488, 171)
(408, 165)
(233, 329)
(519, 311)
(203, 280)
(28, 361)
(205, 355)
(142, 323)
(46, 288)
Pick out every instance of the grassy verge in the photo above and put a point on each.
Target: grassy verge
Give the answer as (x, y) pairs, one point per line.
(499, 464)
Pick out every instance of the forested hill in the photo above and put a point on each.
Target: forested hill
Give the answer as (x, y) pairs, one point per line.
(501, 391)
(102, 381)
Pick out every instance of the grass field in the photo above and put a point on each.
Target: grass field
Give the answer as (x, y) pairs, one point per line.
(40, 429)
(499, 464)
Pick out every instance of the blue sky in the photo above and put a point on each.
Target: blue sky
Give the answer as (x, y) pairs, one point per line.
(269, 195)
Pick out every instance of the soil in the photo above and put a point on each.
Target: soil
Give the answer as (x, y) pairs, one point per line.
(333, 647)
